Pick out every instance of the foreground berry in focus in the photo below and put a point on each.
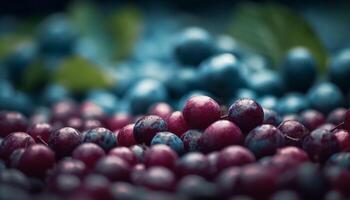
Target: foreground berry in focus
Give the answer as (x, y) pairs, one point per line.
(64, 140)
(147, 127)
(102, 137)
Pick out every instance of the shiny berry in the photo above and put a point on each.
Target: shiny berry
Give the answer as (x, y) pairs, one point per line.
(343, 138)
(246, 114)
(234, 156)
(125, 154)
(176, 123)
(126, 136)
(118, 121)
(64, 141)
(191, 140)
(169, 139)
(200, 111)
(89, 153)
(114, 168)
(12, 122)
(102, 137)
(14, 141)
(161, 109)
(160, 155)
(40, 132)
(294, 132)
(271, 117)
(147, 127)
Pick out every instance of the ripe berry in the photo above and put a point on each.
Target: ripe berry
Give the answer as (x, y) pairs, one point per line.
(14, 141)
(40, 132)
(126, 136)
(191, 140)
(200, 111)
(220, 134)
(36, 160)
(294, 132)
(341, 159)
(264, 140)
(12, 122)
(271, 117)
(102, 137)
(161, 109)
(118, 121)
(343, 138)
(89, 153)
(246, 114)
(293, 153)
(15, 157)
(196, 187)
(64, 141)
(125, 154)
(95, 186)
(159, 178)
(169, 139)
(64, 184)
(234, 156)
(147, 127)
(337, 116)
(114, 168)
(312, 119)
(69, 166)
(160, 155)
(320, 145)
(176, 123)
(193, 163)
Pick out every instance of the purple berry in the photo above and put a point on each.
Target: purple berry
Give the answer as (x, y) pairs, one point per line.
(89, 153)
(339, 179)
(14, 141)
(337, 116)
(15, 157)
(219, 135)
(191, 140)
(147, 127)
(122, 190)
(118, 121)
(161, 109)
(169, 139)
(271, 117)
(69, 166)
(125, 154)
(95, 186)
(176, 123)
(114, 168)
(102, 137)
(64, 141)
(264, 140)
(136, 173)
(126, 136)
(246, 114)
(196, 187)
(36, 160)
(64, 184)
(159, 178)
(320, 145)
(294, 132)
(234, 156)
(293, 153)
(40, 132)
(201, 111)
(193, 163)
(312, 119)
(12, 122)
(160, 155)
(343, 138)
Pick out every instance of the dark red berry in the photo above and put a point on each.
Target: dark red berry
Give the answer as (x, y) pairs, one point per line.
(160, 155)
(64, 141)
(312, 119)
(14, 141)
(343, 138)
(12, 122)
(114, 168)
(193, 163)
(161, 109)
(147, 127)
(126, 136)
(337, 116)
(246, 114)
(294, 132)
(125, 154)
(293, 153)
(176, 123)
(69, 166)
(220, 134)
(234, 156)
(40, 132)
(89, 153)
(201, 111)
(118, 121)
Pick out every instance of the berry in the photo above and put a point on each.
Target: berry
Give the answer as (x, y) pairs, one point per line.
(219, 135)
(299, 69)
(122, 190)
(196, 187)
(294, 132)
(40, 132)
(337, 116)
(266, 82)
(64, 141)
(312, 119)
(125, 154)
(320, 145)
(64, 184)
(15, 178)
(89, 153)
(126, 136)
(15, 157)
(292, 103)
(170, 139)
(147, 127)
(114, 168)
(339, 179)
(162, 110)
(12, 122)
(271, 117)
(343, 138)
(339, 69)
(264, 140)
(200, 111)
(341, 159)
(176, 123)
(193, 163)
(95, 186)
(347, 120)
(285, 194)
(234, 156)
(14, 141)
(246, 113)
(191, 140)
(293, 153)
(118, 121)
(102, 137)
(158, 178)
(268, 102)
(36, 160)
(69, 166)
(160, 155)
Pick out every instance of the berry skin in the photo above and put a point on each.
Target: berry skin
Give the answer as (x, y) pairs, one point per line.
(147, 127)
(221, 75)
(193, 163)
(343, 138)
(234, 156)
(197, 187)
(312, 119)
(69, 166)
(191, 140)
(159, 178)
(36, 160)
(266, 82)
(118, 121)
(200, 111)
(320, 145)
(246, 114)
(14, 141)
(12, 122)
(341, 159)
(114, 168)
(294, 132)
(219, 135)
(271, 117)
(176, 123)
(292, 103)
(126, 136)
(161, 109)
(102, 137)
(125, 154)
(293, 153)
(64, 141)
(299, 70)
(169, 139)
(339, 69)
(337, 116)
(264, 140)
(89, 153)
(347, 120)
(160, 155)
(339, 179)
(40, 132)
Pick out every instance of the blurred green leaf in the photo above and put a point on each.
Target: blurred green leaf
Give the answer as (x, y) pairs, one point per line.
(79, 75)
(35, 76)
(272, 29)
(9, 41)
(125, 25)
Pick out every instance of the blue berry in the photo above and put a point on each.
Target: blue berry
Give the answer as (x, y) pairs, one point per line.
(292, 103)
(266, 82)
(102, 137)
(170, 139)
(339, 69)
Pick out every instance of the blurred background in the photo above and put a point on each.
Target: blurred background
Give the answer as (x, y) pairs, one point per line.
(124, 55)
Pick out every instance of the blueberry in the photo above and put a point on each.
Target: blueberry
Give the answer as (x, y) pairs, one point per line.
(102, 137)
(339, 69)
(193, 46)
(104, 99)
(268, 102)
(147, 127)
(221, 74)
(325, 97)
(144, 94)
(299, 69)
(170, 139)
(54, 93)
(266, 82)
(184, 80)
(227, 44)
(292, 103)
(271, 117)
(191, 140)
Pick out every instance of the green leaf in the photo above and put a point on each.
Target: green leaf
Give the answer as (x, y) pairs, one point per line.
(80, 75)
(124, 25)
(8, 42)
(35, 76)
(272, 29)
